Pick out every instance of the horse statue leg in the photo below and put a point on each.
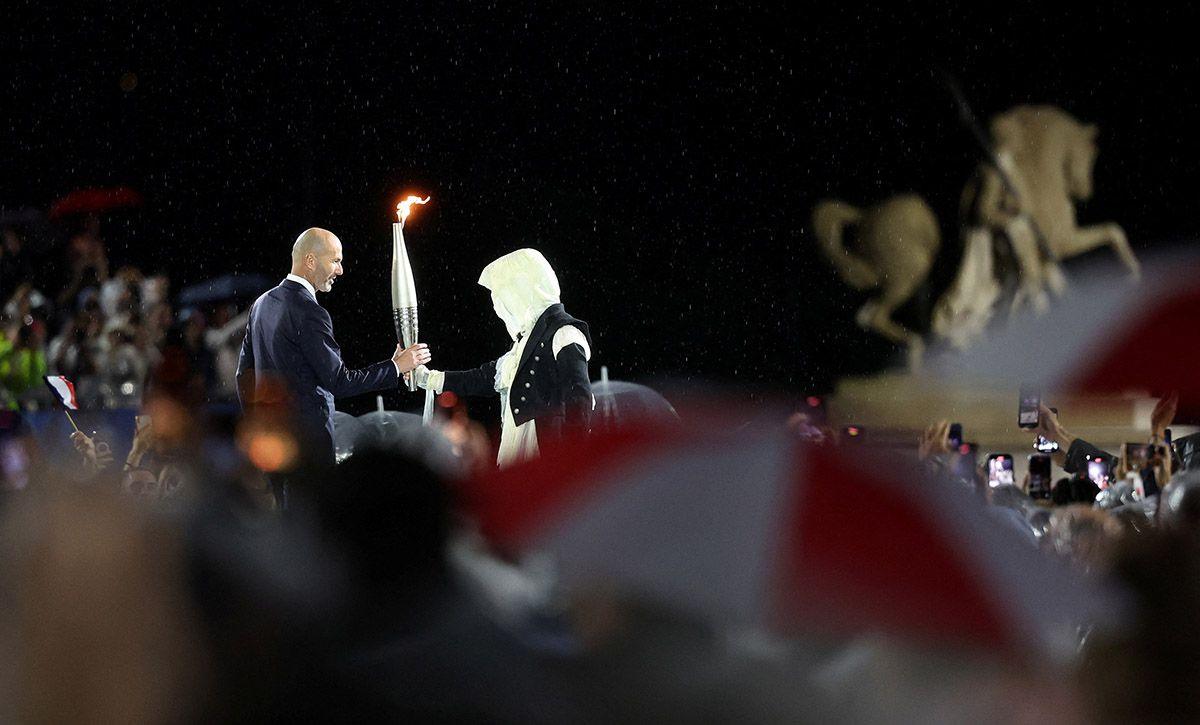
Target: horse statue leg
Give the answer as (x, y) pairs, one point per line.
(876, 315)
(1056, 281)
(1024, 245)
(1085, 239)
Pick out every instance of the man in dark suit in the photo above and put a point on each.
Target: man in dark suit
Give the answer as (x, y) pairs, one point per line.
(289, 348)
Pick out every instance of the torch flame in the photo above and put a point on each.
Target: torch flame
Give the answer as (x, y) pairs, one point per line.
(403, 209)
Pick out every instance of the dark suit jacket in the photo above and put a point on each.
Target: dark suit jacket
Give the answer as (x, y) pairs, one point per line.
(290, 337)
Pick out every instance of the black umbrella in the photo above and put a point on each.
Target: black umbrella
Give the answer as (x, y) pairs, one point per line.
(347, 432)
(225, 287)
(394, 431)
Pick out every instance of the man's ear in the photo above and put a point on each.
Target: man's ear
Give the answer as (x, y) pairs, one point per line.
(310, 261)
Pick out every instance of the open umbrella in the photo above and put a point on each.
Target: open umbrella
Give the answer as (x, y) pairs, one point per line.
(619, 402)
(396, 431)
(347, 432)
(225, 287)
(753, 527)
(93, 201)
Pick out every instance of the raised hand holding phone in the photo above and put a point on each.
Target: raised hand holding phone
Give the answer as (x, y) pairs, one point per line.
(1049, 428)
(1163, 415)
(935, 440)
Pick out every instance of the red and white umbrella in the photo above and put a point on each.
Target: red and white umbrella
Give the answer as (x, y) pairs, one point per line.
(1105, 336)
(754, 527)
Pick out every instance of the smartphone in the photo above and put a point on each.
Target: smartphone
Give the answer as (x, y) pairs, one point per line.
(955, 435)
(1099, 470)
(1000, 469)
(1045, 445)
(1137, 454)
(1039, 476)
(1027, 410)
(962, 465)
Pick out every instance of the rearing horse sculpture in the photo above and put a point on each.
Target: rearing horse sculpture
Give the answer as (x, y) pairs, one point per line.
(1047, 157)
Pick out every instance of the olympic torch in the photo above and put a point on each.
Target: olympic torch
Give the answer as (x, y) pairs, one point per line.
(404, 290)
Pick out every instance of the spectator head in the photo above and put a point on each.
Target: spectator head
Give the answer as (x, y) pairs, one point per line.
(390, 514)
(154, 290)
(189, 329)
(141, 484)
(1085, 535)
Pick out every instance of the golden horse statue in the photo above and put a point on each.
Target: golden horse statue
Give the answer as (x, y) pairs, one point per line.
(1044, 160)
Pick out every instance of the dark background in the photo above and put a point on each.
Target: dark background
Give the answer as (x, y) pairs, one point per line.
(664, 160)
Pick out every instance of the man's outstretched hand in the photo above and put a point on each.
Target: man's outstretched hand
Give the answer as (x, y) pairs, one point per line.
(408, 360)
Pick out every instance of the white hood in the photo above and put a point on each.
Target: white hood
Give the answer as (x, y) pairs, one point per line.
(523, 285)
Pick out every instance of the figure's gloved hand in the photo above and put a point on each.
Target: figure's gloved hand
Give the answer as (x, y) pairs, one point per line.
(429, 379)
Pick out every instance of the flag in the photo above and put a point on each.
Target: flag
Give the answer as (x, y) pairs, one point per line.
(64, 389)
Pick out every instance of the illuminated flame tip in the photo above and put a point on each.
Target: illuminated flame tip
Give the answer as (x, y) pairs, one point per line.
(404, 208)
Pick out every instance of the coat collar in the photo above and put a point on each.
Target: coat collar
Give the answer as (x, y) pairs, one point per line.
(304, 284)
(539, 328)
(299, 289)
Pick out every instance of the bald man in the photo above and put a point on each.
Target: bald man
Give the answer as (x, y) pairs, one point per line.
(289, 340)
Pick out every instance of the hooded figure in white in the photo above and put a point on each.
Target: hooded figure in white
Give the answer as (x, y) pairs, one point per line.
(543, 383)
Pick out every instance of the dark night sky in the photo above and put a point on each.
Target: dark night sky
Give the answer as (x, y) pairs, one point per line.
(664, 160)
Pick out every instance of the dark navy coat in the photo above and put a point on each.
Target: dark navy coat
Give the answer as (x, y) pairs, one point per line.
(290, 337)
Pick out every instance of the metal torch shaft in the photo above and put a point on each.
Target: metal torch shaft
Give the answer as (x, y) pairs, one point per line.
(405, 320)
(404, 296)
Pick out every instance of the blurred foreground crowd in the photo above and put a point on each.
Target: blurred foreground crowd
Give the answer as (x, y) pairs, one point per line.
(67, 312)
(169, 589)
(1129, 517)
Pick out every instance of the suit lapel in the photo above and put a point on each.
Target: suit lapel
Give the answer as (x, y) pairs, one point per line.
(535, 334)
